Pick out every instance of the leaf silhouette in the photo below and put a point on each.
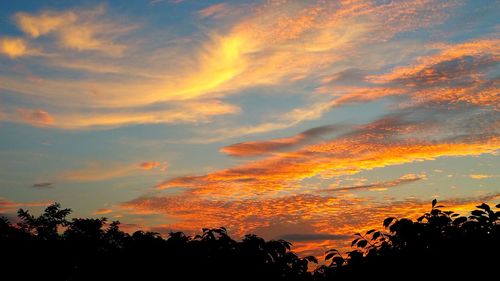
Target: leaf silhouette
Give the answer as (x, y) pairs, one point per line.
(362, 243)
(388, 221)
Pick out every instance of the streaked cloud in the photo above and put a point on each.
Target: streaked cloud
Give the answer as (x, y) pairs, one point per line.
(43, 185)
(276, 145)
(216, 10)
(480, 176)
(380, 186)
(8, 206)
(190, 112)
(103, 211)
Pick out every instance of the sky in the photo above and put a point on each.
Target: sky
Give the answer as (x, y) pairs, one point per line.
(299, 120)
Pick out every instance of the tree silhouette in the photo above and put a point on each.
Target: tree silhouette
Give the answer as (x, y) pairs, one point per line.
(45, 225)
(438, 245)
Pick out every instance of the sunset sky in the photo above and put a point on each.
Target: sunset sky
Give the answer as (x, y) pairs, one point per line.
(302, 120)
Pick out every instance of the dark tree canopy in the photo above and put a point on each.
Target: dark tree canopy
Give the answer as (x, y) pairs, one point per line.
(439, 244)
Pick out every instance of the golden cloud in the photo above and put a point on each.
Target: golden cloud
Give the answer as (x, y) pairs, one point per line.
(270, 44)
(80, 30)
(14, 47)
(480, 176)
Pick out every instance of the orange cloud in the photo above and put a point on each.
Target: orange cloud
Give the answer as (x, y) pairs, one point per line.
(149, 165)
(102, 211)
(11, 206)
(303, 215)
(37, 117)
(275, 174)
(386, 142)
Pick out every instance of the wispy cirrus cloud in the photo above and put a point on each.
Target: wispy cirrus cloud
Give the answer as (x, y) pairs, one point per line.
(103, 118)
(269, 44)
(107, 170)
(97, 172)
(264, 147)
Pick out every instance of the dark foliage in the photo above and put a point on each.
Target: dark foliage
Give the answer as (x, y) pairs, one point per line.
(439, 245)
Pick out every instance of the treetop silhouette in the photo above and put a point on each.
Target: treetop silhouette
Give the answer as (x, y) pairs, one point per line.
(441, 244)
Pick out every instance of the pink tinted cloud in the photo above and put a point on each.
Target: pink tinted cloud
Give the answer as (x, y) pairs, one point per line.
(35, 117)
(216, 11)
